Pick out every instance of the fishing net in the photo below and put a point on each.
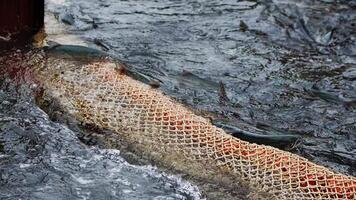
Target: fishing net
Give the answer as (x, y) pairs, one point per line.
(100, 93)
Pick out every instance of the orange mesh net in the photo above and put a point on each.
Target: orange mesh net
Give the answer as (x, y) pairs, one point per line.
(98, 93)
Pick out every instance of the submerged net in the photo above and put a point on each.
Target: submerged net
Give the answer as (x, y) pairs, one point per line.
(98, 93)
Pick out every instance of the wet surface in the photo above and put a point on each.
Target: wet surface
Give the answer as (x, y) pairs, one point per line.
(267, 67)
(287, 67)
(40, 159)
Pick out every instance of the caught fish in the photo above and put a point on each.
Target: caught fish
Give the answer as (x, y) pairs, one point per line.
(93, 91)
(271, 140)
(188, 79)
(331, 97)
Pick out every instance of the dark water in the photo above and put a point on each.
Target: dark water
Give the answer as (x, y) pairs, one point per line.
(286, 66)
(40, 159)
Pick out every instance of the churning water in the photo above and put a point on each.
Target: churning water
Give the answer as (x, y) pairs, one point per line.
(286, 67)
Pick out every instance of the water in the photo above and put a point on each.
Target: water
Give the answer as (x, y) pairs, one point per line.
(286, 66)
(41, 159)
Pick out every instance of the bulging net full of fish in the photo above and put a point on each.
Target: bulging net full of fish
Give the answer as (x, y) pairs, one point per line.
(98, 93)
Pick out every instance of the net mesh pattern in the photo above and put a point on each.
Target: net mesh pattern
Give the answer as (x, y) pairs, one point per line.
(100, 94)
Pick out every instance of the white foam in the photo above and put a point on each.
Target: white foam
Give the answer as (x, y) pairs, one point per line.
(82, 180)
(23, 165)
(58, 2)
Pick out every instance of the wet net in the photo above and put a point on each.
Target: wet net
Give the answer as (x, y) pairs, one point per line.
(100, 93)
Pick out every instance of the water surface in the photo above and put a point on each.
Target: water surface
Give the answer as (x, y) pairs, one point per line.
(286, 66)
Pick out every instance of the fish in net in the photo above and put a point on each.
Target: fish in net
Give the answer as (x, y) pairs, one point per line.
(97, 91)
